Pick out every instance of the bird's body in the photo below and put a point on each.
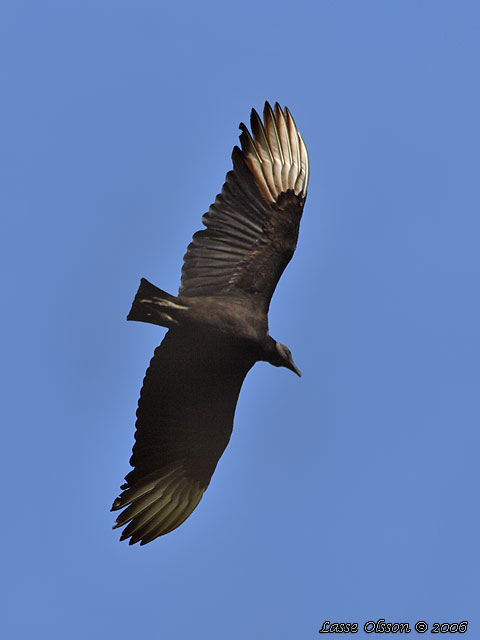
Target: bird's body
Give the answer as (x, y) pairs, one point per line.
(218, 328)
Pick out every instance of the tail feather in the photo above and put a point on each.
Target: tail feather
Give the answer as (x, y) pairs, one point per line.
(155, 306)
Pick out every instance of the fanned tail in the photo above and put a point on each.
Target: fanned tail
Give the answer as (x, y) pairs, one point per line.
(156, 306)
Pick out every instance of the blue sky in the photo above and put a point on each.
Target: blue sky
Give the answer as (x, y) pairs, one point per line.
(348, 495)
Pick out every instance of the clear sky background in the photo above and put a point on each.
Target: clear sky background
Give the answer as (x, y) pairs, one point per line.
(350, 494)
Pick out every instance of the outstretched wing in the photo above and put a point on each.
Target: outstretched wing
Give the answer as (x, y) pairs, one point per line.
(252, 228)
(184, 422)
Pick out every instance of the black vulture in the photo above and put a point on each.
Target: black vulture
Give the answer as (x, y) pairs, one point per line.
(217, 327)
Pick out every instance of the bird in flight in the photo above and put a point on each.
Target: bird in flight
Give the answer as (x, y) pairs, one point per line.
(217, 327)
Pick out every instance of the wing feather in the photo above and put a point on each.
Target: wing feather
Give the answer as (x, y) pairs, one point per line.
(285, 144)
(184, 422)
(252, 227)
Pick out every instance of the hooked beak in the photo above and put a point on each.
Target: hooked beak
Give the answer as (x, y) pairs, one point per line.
(293, 367)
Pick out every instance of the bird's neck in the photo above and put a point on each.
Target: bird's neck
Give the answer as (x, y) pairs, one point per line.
(269, 351)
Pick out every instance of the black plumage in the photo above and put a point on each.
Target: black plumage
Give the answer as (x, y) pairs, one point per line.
(218, 327)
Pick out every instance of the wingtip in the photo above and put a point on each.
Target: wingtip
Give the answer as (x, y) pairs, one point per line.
(275, 152)
(267, 108)
(156, 506)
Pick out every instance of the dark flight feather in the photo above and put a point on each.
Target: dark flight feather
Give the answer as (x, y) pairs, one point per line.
(184, 422)
(269, 178)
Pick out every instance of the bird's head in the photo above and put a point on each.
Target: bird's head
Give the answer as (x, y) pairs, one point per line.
(283, 358)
